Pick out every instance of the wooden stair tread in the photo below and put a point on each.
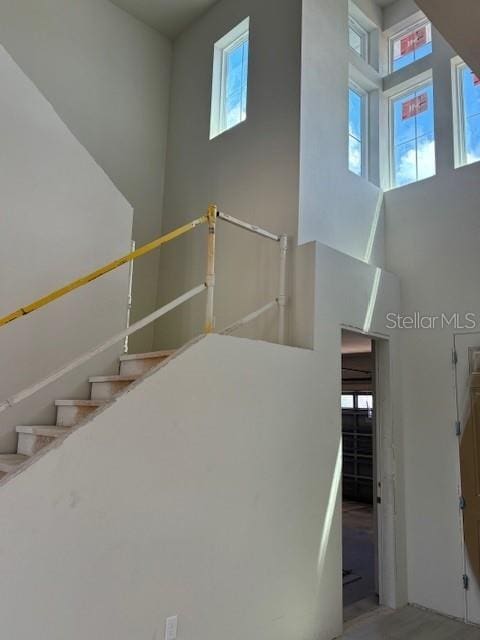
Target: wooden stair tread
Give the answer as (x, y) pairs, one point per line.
(10, 461)
(113, 378)
(46, 430)
(30, 437)
(147, 356)
(80, 403)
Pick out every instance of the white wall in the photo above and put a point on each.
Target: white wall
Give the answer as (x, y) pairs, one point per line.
(223, 508)
(253, 171)
(61, 218)
(371, 10)
(351, 294)
(293, 584)
(432, 234)
(217, 509)
(334, 291)
(337, 207)
(431, 237)
(107, 75)
(398, 11)
(250, 171)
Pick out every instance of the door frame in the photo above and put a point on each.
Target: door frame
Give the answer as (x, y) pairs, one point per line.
(390, 545)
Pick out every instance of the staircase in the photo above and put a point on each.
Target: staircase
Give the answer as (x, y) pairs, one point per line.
(103, 390)
(33, 438)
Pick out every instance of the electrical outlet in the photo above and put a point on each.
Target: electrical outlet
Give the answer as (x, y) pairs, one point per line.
(171, 628)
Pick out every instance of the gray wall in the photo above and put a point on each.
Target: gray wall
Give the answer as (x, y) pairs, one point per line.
(250, 171)
(107, 75)
(398, 11)
(337, 207)
(354, 295)
(61, 217)
(432, 239)
(207, 505)
(459, 26)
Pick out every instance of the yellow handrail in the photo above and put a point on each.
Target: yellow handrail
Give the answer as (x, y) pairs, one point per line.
(134, 255)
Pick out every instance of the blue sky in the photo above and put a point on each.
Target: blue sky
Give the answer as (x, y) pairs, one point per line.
(355, 119)
(236, 85)
(399, 61)
(404, 61)
(471, 101)
(414, 141)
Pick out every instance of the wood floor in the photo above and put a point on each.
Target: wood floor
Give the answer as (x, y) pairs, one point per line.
(409, 624)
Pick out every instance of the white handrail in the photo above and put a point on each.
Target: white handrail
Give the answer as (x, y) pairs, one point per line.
(283, 291)
(141, 324)
(249, 227)
(282, 294)
(213, 213)
(251, 316)
(210, 278)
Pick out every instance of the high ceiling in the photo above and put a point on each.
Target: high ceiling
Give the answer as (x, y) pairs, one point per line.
(169, 17)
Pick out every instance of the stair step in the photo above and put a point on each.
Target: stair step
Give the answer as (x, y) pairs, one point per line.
(113, 379)
(11, 461)
(79, 403)
(106, 387)
(32, 439)
(137, 364)
(46, 431)
(71, 412)
(166, 353)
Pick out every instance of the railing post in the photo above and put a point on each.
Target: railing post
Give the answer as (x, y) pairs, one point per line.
(210, 281)
(282, 297)
(130, 296)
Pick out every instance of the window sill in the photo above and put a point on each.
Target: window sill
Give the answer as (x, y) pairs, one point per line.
(363, 73)
(225, 132)
(410, 184)
(407, 74)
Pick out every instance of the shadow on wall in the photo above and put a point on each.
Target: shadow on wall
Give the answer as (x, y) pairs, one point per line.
(330, 512)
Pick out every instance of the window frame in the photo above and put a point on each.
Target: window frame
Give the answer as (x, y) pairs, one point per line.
(357, 28)
(413, 26)
(360, 91)
(459, 130)
(235, 38)
(355, 395)
(364, 394)
(348, 394)
(413, 85)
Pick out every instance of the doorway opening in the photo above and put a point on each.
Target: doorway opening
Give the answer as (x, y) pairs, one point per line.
(359, 476)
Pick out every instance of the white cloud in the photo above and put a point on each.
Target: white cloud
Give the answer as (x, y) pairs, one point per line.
(472, 157)
(355, 156)
(406, 171)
